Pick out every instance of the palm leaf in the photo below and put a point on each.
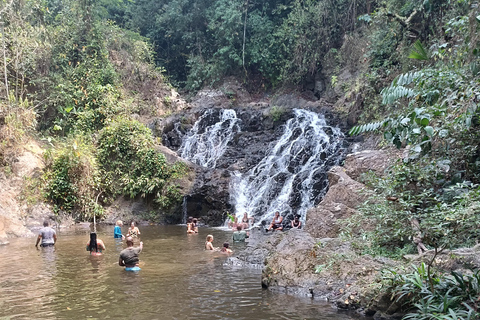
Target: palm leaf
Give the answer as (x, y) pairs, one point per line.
(418, 52)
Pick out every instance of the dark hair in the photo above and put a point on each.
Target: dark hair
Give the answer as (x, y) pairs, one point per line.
(189, 220)
(195, 220)
(45, 223)
(239, 228)
(225, 246)
(93, 242)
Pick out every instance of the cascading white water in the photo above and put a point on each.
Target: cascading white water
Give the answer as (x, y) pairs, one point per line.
(207, 141)
(184, 210)
(291, 178)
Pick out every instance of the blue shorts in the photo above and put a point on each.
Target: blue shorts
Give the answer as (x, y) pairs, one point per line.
(133, 269)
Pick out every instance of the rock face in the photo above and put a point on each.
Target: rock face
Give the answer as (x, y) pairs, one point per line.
(13, 215)
(315, 261)
(340, 202)
(262, 123)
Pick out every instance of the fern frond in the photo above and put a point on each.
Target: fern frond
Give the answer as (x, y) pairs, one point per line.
(407, 78)
(393, 93)
(367, 127)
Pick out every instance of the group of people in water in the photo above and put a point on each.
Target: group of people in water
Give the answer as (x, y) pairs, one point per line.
(129, 256)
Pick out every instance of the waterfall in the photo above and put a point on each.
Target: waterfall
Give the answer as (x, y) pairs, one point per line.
(207, 141)
(292, 177)
(184, 210)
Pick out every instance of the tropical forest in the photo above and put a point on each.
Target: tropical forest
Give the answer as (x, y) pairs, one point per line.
(342, 136)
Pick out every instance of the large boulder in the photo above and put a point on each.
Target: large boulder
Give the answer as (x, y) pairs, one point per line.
(13, 213)
(340, 202)
(345, 194)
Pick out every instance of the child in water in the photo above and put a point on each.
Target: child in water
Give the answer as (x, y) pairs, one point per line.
(225, 248)
(209, 243)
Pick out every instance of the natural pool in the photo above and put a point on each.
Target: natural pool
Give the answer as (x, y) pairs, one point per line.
(178, 280)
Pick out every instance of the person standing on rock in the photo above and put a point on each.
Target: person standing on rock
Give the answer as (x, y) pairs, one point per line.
(46, 235)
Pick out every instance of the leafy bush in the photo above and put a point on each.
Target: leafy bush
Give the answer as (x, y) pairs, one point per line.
(130, 165)
(73, 181)
(437, 296)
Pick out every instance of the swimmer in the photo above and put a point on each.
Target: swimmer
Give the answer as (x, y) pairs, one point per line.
(209, 243)
(129, 256)
(95, 245)
(195, 226)
(225, 248)
(190, 225)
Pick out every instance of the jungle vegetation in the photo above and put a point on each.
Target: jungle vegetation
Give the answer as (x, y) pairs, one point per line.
(75, 72)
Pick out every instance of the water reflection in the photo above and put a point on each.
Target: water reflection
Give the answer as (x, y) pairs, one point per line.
(178, 280)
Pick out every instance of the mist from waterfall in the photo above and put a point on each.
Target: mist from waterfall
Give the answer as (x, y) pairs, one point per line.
(292, 177)
(207, 141)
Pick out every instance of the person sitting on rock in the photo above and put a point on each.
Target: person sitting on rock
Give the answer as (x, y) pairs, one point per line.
(276, 222)
(296, 223)
(246, 220)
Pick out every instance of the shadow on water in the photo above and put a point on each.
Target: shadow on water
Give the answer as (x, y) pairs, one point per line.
(178, 280)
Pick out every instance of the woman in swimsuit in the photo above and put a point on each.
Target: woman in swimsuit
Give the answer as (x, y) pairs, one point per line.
(246, 221)
(296, 223)
(276, 222)
(95, 245)
(133, 231)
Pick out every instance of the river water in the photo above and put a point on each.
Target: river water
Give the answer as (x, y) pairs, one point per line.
(178, 280)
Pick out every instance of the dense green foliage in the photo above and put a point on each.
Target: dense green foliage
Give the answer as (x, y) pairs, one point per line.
(437, 296)
(199, 42)
(130, 165)
(437, 118)
(74, 72)
(79, 76)
(73, 181)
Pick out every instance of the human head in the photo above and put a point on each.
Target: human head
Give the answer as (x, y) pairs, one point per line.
(245, 214)
(119, 223)
(93, 242)
(132, 224)
(45, 223)
(189, 220)
(226, 245)
(297, 217)
(195, 220)
(239, 228)
(277, 213)
(129, 241)
(209, 238)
